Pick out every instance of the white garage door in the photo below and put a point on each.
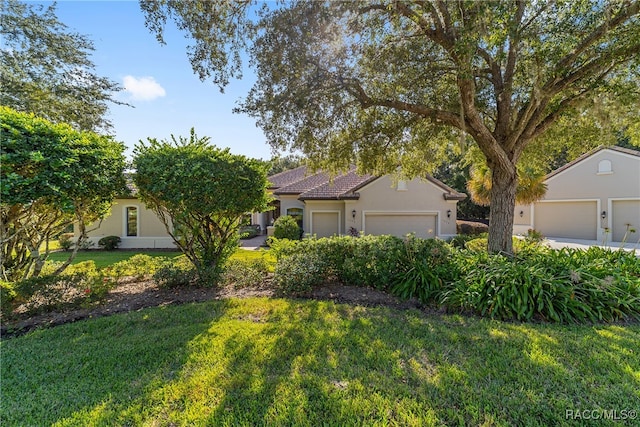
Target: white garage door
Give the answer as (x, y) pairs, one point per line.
(401, 224)
(625, 214)
(572, 220)
(325, 224)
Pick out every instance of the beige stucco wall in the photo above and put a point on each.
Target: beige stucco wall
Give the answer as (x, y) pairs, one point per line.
(584, 182)
(151, 231)
(420, 196)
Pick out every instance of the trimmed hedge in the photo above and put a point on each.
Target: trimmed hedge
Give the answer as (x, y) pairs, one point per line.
(567, 285)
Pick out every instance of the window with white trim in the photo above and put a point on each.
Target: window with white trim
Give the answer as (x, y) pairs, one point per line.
(131, 218)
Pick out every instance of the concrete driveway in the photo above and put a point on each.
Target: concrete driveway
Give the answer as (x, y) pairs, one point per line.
(559, 242)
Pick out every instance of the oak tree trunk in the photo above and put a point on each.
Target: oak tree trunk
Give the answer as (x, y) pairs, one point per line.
(503, 201)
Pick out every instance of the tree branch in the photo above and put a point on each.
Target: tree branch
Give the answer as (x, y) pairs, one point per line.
(627, 11)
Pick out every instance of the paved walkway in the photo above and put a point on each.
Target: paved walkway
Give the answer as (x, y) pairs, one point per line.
(254, 243)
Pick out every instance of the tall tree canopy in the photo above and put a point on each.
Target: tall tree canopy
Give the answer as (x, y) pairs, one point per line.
(46, 69)
(385, 83)
(52, 176)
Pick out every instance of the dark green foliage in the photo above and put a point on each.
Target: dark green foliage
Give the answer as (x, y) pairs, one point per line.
(428, 265)
(565, 285)
(201, 193)
(175, 276)
(375, 261)
(286, 227)
(249, 231)
(298, 274)
(243, 273)
(109, 243)
(460, 240)
(80, 285)
(47, 70)
(52, 176)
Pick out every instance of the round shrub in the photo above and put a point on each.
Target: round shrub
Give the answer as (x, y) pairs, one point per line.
(66, 241)
(286, 227)
(243, 273)
(298, 274)
(109, 243)
(174, 276)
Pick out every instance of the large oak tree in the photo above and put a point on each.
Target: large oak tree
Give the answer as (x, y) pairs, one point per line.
(46, 69)
(385, 83)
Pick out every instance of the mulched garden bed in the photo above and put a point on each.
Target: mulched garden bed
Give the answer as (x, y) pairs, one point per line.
(133, 296)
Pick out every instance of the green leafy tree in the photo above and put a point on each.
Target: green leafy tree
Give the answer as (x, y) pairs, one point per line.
(46, 69)
(386, 83)
(283, 163)
(200, 193)
(52, 176)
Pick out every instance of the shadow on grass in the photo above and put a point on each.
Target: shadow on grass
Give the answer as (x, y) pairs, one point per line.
(283, 362)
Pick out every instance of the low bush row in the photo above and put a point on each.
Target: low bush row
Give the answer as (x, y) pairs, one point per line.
(83, 284)
(567, 285)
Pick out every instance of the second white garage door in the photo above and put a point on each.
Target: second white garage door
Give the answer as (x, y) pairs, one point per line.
(625, 215)
(400, 224)
(572, 220)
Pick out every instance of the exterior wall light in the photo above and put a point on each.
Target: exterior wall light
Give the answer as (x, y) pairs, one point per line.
(603, 214)
(449, 213)
(353, 214)
(521, 214)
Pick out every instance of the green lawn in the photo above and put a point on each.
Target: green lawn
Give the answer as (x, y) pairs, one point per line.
(285, 362)
(107, 258)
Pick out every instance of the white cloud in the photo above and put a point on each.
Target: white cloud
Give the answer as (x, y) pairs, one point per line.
(143, 88)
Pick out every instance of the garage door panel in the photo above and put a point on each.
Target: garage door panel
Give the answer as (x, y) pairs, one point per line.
(325, 224)
(573, 220)
(625, 212)
(424, 226)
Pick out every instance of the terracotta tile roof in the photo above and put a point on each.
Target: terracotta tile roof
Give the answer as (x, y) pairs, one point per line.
(304, 184)
(285, 178)
(591, 153)
(342, 187)
(320, 186)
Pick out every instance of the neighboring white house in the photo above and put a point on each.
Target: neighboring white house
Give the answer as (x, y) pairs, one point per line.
(352, 203)
(595, 197)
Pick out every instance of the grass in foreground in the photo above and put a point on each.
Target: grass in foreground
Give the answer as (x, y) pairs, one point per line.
(107, 258)
(284, 362)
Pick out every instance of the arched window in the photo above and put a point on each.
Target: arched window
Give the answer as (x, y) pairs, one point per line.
(604, 167)
(131, 221)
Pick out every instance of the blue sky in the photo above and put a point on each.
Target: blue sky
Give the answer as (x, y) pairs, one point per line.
(168, 97)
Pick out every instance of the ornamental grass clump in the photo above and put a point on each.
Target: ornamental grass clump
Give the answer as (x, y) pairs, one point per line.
(566, 285)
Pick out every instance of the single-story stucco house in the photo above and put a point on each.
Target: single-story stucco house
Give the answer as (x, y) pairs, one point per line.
(347, 204)
(137, 226)
(594, 197)
(352, 204)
